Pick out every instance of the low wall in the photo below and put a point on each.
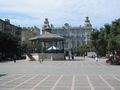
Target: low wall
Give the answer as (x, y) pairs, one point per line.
(45, 56)
(58, 56)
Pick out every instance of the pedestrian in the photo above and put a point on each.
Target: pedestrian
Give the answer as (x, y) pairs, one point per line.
(72, 57)
(14, 57)
(69, 57)
(64, 57)
(83, 56)
(117, 59)
(111, 56)
(40, 61)
(96, 58)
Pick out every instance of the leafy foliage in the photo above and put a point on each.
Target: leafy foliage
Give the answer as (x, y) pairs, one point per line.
(8, 43)
(108, 37)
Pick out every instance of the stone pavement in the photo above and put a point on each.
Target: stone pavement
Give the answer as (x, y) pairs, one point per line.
(78, 74)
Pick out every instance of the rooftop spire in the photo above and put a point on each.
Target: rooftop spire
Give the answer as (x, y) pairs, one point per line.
(87, 22)
(87, 19)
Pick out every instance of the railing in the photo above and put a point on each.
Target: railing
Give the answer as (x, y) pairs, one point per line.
(28, 53)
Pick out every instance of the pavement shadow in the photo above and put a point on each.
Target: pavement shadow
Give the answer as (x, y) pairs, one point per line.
(1, 75)
(5, 61)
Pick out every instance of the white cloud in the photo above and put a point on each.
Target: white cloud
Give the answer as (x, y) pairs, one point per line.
(61, 11)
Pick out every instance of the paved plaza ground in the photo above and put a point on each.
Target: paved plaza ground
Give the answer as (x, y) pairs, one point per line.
(77, 74)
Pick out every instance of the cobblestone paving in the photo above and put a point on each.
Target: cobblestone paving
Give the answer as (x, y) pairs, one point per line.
(75, 74)
(59, 82)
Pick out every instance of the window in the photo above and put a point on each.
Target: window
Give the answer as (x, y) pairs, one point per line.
(2, 25)
(88, 33)
(66, 35)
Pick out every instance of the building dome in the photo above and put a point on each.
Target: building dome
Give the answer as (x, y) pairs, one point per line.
(87, 22)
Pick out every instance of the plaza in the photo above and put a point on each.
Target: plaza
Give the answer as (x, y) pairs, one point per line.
(77, 74)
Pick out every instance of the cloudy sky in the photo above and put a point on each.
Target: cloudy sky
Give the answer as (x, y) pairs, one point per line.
(28, 13)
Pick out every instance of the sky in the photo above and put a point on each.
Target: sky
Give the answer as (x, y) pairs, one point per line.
(29, 13)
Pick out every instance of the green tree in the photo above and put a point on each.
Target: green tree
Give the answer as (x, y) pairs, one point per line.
(99, 40)
(23, 47)
(114, 36)
(8, 43)
(75, 50)
(102, 41)
(94, 39)
(107, 31)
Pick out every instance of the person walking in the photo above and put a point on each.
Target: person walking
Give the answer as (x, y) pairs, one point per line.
(96, 58)
(83, 56)
(40, 60)
(14, 57)
(69, 57)
(72, 57)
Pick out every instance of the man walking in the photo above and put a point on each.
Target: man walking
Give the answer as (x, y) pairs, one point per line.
(14, 57)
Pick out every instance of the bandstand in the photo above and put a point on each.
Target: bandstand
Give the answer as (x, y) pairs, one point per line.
(49, 56)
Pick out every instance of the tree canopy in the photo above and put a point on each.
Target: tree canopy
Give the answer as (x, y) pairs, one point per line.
(106, 38)
(8, 43)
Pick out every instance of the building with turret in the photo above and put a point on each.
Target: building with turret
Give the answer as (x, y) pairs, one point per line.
(7, 27)
(75, 36)
(23, 34)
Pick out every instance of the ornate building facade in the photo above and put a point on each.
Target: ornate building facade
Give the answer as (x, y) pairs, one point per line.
(75, 36)
(23, 34)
